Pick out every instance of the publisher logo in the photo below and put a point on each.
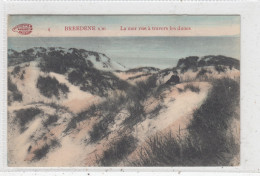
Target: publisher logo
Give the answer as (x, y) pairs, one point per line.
(23, 29)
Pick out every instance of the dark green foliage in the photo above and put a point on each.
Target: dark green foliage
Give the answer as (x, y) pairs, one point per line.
(16, 70)
(79, 70)
(137, 114)
(12, 53)
(212, 120)
(49, 87)
(192, 88)
(161, 88)
(135, 96)
(15, 57)
(58, 61)
(133, 104)
(180, 90)
(11, 86)
(113, 104)
(209, 141)
(99, 131)
(188, 63)
(143, 89)
(220, 68)
(156, 110)
(29, 53)
(222, 60)
(193, 62)
(160, 151)
(97, 82)
(91, 111)
(118, 151)
(142, 69)
(138, 76)
(175, 79)
(169, 150)
(15, 94)
(202, 72)
(53, 63)
(106, 111)
(50, 120)
(22, 75)
(24, 116)
(71, 125)
(42, 152)
(76, 77)
(109, 110)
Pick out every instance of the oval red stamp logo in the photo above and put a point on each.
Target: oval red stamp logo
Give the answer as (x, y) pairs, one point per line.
(23, 29)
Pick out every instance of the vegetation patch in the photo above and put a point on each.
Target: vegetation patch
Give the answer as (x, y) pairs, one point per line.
(138, 76)
(211, 122)
(42, 152)
(188, 63)
(209, 141)
(220, 68)
(49, 87)
(24, 116)
(16, 70)
(160, 150)
(15, 94)
(99, 131)
(60, 62)
(142, 90)
(15, 57)
(142, 69)
(118, 151)
(50, 120)
(202, 72)
(193, 62)
(192, 88)
(136, 114)
(136, 95)
(155, 112)
(109, 111)
(96, 81)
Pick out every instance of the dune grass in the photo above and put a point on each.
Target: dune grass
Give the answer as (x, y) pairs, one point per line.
(45, 149)
(24, 116)
(192, 88)
(118, 151)
(209, 142)
(50, 86)
(15, 94)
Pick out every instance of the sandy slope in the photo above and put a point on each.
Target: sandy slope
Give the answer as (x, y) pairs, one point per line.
(179, 106)
(74, 147)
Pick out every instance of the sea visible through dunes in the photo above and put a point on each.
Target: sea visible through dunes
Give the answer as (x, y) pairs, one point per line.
(160, 52)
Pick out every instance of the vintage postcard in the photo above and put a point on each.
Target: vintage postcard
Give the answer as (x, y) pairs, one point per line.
(123, 90)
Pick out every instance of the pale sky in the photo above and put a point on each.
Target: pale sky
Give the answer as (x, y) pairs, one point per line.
(54, 25)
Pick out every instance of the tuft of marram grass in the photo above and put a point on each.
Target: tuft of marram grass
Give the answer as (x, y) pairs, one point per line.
(118, 151)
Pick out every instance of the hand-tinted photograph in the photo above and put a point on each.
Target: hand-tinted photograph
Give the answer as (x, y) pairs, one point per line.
(123, 91)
